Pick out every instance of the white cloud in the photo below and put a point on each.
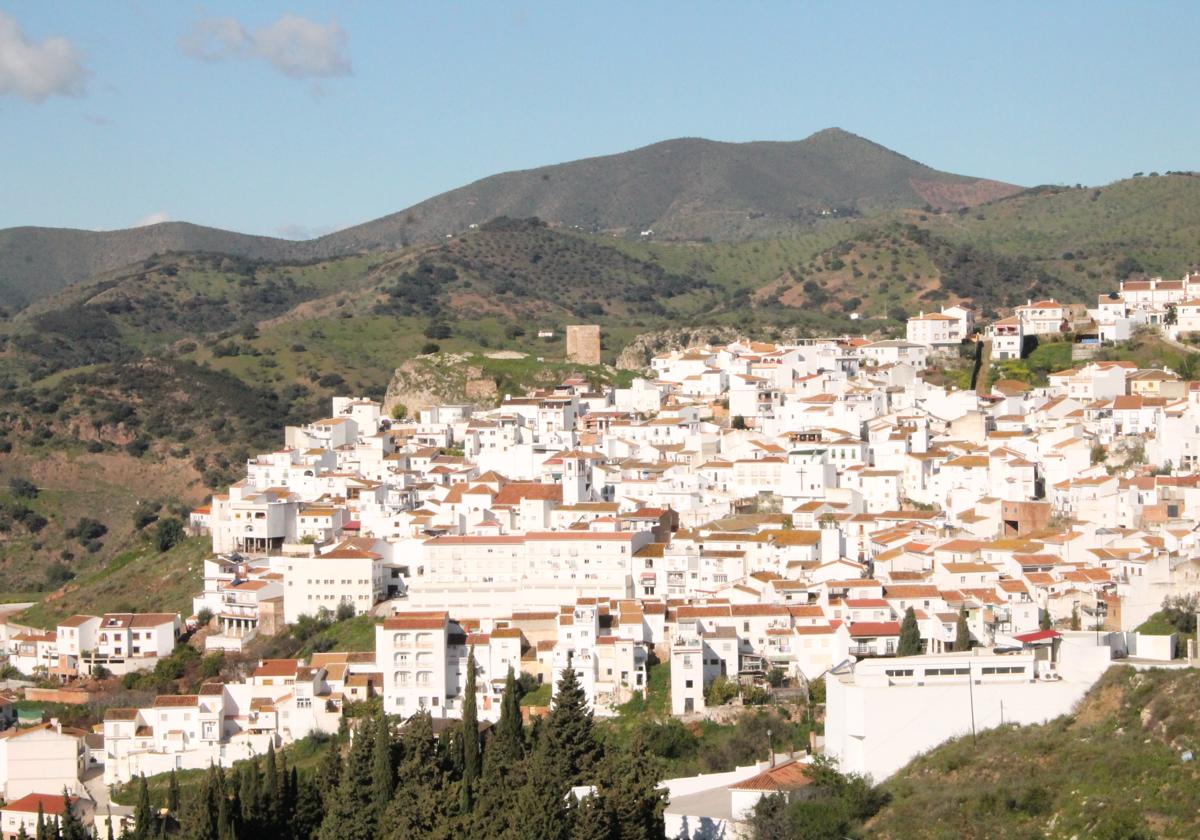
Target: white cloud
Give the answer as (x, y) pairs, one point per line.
(295, 46)
(153, 219)
(37, 71)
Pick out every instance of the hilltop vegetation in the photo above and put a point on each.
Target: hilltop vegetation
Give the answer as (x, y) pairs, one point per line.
(1116, 769)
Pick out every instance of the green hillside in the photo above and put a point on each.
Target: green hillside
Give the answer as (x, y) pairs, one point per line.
(1116, 769)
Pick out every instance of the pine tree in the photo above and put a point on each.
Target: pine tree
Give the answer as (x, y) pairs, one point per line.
(173, 793)
(628, 787)
(571, 741)
(426, 800)
(542, 800)
(910, 635)
(383, 772)
(592, 819)
(143, 816)
(470, 737)
(962, 633)
(351, 814)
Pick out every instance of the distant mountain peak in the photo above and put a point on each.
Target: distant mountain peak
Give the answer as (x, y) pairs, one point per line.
(687, 188)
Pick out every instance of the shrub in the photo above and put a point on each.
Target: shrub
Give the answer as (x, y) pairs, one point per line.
(23, 488)
(168, 534)
(720, 691)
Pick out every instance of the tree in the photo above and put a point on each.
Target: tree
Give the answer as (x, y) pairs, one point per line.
(1044, 622)
(168, 533)
(426, 800)
(910, 635)
(1099, 454)
(143, 816)
(383, 772)
(70, 826)
(570, 741)
(41, 823)
(308, 812)
(22, 488)
(962, 633)
(470, 735)
(770, 819)
(1075, 622)
(738, 422)
(542, 799)
(628, 791)
(351, 814)
(173, 793)
(495, 809)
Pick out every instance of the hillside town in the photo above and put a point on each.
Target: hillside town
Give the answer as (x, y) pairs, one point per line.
(755, 513)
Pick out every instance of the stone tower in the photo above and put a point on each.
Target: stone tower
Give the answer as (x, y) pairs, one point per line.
(583, 344)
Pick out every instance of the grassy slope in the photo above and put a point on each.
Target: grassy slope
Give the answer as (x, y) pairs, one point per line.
(1154, 220)
(139, 578)
(1111, 770)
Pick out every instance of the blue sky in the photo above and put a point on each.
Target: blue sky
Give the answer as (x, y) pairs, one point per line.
(303, 117)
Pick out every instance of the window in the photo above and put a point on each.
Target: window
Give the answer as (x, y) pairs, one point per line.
(687, 683)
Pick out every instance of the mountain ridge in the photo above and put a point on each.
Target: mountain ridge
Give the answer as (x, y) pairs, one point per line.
(682, 188)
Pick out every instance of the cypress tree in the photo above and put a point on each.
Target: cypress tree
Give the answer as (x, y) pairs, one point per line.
(351, 814)
(271, 807)
(509, 730)
(307, 815)
(109, 829)
(41, 824)
(495, 813)
(571, 740)
(910, 635)
(470, 737)
(71, 826)
(173, 793)
(143, 816)
(198, 820)
(383, 772)
(228, 809)
(329, 776)
(249, 791)
(22, 834)
(962, 634)
(1044, 620)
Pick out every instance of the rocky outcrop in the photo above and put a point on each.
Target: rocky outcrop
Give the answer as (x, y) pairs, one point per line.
(440, 378)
